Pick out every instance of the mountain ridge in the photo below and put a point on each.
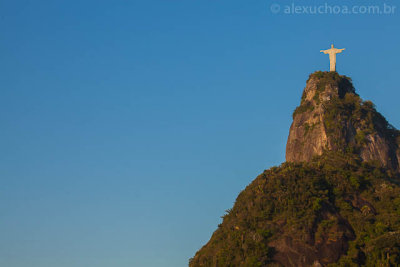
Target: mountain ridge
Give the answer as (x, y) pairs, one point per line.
(334, 202)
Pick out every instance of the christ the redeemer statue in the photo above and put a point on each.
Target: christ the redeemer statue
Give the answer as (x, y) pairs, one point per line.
(332, 56)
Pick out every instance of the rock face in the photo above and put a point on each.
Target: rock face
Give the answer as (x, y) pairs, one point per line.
(331, 116)
(335, 202)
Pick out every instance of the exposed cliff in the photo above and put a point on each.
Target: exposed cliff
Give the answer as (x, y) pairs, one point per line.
(331, 116)
(335, 202)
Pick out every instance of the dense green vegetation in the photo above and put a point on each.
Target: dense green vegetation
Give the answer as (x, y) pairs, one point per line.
(324, 79)
(307, 202)
(306, 106)
(361, 115)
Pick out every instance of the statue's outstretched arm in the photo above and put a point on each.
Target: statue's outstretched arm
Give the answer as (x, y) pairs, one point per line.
(323, 51)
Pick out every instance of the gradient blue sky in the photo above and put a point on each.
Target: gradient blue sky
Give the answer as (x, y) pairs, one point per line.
(129, 127)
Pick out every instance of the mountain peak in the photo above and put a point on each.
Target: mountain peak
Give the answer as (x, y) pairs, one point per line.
(335, 202)
(332, 117)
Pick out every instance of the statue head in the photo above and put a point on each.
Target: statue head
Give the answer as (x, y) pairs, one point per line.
(331, 45)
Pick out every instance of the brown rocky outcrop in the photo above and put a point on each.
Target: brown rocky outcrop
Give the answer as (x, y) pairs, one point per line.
(331, 116)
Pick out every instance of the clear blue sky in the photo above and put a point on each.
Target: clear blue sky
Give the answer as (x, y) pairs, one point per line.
(129, 127)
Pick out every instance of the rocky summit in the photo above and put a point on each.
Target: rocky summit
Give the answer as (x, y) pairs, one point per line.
(334, 202)
(331, 116)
